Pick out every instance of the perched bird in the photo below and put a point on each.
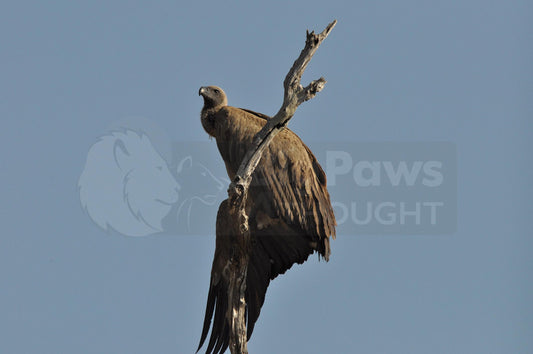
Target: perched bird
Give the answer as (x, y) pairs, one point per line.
(289, 208)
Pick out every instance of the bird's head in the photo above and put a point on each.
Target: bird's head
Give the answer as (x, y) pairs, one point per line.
(213, 96)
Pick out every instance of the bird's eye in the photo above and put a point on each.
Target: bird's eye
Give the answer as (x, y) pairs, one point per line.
(217, 91)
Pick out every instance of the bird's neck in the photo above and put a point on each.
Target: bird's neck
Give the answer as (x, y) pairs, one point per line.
(208, 119)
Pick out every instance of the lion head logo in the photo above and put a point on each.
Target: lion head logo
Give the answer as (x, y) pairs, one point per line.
(126, 185)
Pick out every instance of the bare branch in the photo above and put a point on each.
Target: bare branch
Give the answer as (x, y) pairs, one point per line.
(294, 95)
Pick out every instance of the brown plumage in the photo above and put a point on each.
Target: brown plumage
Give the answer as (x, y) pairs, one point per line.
(288, 204)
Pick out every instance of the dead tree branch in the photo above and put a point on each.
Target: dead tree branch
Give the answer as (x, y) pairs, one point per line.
(294, 95)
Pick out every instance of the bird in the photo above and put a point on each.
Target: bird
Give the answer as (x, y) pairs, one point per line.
(289, 208)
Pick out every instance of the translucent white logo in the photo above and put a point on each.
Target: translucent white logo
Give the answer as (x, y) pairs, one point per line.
(126, 185)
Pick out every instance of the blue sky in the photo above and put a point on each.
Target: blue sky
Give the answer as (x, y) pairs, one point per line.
(410, 71)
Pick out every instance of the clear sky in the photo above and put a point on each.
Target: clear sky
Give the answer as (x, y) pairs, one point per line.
(458, 72)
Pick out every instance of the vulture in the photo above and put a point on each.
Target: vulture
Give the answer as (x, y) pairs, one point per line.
(289, 208)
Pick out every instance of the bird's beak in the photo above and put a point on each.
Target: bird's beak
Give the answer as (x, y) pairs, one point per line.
(201, 91)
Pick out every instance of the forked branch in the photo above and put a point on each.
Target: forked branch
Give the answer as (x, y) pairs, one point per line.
(294, 95)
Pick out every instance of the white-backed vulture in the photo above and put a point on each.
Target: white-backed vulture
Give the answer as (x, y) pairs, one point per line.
(289, 208)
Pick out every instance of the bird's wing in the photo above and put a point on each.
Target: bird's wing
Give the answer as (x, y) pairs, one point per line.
(217, 298)
(288, 182)
(274, 250)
